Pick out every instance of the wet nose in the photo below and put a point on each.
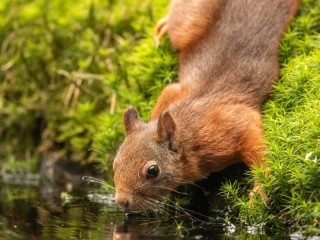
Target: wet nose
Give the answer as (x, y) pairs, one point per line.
(123, 202)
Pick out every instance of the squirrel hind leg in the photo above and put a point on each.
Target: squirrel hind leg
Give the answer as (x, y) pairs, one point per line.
(258, 191)
(189, 21)
(253, 153)
(160, 30)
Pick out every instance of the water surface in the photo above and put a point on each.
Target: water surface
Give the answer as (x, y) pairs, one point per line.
(81, 211)
(51, 212)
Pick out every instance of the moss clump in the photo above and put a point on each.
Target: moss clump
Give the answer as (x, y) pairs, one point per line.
(292, 126)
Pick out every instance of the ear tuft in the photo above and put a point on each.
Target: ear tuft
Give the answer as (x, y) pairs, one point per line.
(166, 126)
(131, 120)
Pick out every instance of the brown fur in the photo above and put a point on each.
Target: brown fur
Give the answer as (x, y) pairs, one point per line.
(211, 119)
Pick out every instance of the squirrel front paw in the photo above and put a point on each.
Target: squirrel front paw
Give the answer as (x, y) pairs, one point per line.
(160, 30)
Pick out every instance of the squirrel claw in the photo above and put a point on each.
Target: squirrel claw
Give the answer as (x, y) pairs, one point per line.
(160, 30)
(258, 189)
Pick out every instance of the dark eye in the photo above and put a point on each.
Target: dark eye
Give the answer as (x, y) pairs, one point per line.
(153, 171)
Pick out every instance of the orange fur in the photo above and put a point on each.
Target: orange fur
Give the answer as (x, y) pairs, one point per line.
(170, 94)
(190, 20)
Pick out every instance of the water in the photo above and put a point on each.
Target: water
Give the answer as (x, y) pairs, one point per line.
(80, 211)
(28, 212)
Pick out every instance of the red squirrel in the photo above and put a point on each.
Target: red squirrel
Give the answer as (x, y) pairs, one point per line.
(210, 119)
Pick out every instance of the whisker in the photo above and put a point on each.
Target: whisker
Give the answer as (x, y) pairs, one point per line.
(171, 189)
(150, 207)
(176, 208)
(167, 212)
(183, 210)
(153, 205)
(90, 179)
(193, 212)
(182, 181)
(170, 208)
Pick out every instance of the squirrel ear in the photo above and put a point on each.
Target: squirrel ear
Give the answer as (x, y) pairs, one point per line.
(166, 126)
(131, 120)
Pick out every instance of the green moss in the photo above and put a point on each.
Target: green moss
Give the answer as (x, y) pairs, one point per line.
(292, 127)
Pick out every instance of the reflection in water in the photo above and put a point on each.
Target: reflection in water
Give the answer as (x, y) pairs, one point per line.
(137, 228)
(80, 212)
(51, 212)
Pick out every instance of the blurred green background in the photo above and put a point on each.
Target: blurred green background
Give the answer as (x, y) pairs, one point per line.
(70, 68)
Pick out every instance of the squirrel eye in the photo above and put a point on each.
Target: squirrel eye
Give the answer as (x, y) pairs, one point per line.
(153, 171)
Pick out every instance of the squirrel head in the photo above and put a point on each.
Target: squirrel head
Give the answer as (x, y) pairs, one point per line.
(148, 164)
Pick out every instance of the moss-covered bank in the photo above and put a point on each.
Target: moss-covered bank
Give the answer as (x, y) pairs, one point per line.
(292, 126)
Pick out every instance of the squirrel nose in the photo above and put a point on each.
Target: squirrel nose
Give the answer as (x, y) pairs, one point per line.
(122, 202)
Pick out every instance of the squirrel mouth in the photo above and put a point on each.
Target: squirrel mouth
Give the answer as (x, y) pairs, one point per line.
(138, 203)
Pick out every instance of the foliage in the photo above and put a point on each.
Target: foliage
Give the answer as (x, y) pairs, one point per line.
(60, 73)
(292, 126)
